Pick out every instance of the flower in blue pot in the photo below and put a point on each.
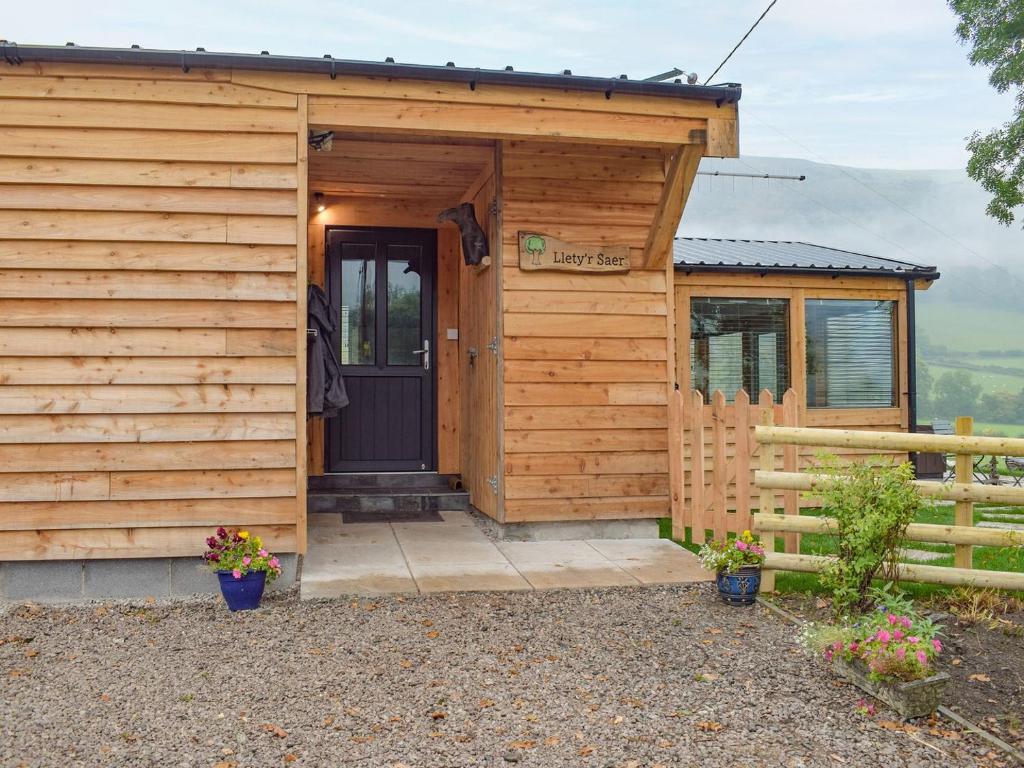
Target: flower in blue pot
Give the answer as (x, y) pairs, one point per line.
(737, 565)
(243, 566)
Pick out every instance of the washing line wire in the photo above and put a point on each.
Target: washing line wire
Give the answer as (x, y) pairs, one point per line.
(742, 39)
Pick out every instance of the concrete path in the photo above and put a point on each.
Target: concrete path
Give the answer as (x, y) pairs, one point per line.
(456, 556)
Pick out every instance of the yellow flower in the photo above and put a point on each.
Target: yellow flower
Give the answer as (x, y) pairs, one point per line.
(243, 534)
(257, 541)
(746, 534)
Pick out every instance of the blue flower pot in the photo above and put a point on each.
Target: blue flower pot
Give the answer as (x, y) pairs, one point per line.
(739, 587)
(242, 594)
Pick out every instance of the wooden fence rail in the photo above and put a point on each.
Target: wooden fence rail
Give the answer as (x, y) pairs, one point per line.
(961, 535)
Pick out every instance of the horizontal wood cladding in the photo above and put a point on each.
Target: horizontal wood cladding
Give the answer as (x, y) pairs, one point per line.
(125, 144)
(142, 398)
(131, 313)
(106, 543)
(149, 222)
(151, 256)
(586, 355)
(147, 173)
(147, 370)
(586, 508)
(67, 197)
(145, 428)
(117, 284)
(146, 226)
(211, 513)
(81, 342)
(100, 457)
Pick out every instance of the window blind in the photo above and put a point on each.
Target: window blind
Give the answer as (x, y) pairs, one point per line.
(851, 360)
(738, 343)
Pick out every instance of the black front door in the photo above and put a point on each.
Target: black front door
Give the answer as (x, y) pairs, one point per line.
(383, 281)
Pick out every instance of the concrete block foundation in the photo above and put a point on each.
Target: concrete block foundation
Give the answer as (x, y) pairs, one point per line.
(73, 581)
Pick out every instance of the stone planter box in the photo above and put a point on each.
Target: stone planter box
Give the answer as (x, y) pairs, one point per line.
(914, 699)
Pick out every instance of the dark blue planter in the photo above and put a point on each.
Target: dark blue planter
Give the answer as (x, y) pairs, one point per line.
(740, 587)
(242, 594)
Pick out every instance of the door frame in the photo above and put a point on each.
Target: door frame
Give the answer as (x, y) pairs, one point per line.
(428, 238)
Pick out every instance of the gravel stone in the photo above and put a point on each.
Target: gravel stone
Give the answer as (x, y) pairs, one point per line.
(632, 677)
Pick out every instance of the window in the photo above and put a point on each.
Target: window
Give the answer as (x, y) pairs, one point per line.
(851, 350)
(738, 343)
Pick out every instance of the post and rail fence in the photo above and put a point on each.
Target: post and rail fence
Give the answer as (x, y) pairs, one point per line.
(713, 447)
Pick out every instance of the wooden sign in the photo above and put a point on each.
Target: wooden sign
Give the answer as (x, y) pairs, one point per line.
(537, 251)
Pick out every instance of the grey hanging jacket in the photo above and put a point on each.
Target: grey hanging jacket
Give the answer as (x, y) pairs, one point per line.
(325, 389)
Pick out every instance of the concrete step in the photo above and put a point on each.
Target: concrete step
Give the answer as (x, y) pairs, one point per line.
(383, 501)
(379, 482)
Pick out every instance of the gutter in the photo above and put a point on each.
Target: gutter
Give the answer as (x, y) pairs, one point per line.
(16, 55)
(911, 365)
(926, 273)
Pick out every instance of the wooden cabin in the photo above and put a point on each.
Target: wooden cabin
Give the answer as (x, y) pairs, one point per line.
(163, 213)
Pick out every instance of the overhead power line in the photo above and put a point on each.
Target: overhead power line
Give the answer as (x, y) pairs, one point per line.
(742, 39)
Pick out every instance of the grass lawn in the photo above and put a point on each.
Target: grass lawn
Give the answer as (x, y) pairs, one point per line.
(990, 427)
(985, 558)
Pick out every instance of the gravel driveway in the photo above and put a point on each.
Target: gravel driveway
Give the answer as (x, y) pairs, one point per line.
(640, 677)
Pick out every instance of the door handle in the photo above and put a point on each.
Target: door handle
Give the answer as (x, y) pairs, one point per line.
(426, 354)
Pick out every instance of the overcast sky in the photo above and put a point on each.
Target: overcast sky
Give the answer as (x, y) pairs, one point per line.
(874, 83)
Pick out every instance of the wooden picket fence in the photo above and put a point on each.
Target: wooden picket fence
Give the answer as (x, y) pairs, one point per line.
(713, 451)
(962, 535)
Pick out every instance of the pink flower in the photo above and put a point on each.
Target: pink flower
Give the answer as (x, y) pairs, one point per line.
(884, 636)
(236, 573)
(901, 653)
(246, 560)
(897, 634)
(275, 563)
(922, 658)
(837, 645)
(905, 621)
(263, 553)
(853, 647)
(937, 645)
(913, 639)
(741, 546)
(892, 618)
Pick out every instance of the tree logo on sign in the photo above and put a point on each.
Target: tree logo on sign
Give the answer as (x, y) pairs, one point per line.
(535, 246)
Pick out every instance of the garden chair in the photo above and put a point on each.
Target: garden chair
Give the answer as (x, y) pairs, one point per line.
(945, 427)
(1015, 464)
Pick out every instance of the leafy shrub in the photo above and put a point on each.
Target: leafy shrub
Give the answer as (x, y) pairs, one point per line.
(871, 503)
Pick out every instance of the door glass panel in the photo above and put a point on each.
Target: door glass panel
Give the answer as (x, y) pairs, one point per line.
(358, 286)
(403, 318)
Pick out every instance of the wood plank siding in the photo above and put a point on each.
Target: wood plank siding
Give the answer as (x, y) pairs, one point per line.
(157, 240)
(148, 298)
(585, 355)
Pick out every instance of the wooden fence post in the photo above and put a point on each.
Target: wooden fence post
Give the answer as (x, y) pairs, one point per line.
(791, 463)
(963, 554)
(677, 467)
(767, 495)
(741, 442)
(697, 507)
(718, 479)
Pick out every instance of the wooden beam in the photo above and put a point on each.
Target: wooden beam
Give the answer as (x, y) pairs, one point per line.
(679, 176)
(301, 276)
(494, 121)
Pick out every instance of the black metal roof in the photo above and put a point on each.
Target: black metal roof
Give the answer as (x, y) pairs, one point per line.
(702, 254)
(15, 54)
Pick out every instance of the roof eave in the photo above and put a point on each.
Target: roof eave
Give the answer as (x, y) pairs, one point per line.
(16, 54)
(924, 273)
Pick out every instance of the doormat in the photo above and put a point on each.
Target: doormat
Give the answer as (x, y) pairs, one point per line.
(424, 516)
